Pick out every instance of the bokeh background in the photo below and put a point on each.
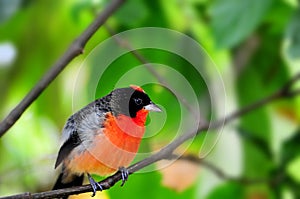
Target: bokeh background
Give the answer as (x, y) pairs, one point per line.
(255, 46)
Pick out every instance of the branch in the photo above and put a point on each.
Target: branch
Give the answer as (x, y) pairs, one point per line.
(167, 152)
(126, 45)
(286, 91)
(244, 52)
(75, 49)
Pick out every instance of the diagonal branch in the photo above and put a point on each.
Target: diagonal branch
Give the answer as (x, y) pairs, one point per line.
(75, 49)
(167, 152)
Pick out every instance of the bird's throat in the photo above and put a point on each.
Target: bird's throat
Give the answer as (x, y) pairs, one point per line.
(126, 132)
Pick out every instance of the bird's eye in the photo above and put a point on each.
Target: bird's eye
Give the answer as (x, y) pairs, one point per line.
(138, 101)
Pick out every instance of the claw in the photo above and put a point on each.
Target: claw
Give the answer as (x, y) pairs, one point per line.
(125, 173)
(95, 185)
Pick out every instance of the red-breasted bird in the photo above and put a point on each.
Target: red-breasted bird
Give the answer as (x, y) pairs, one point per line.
(103, 137)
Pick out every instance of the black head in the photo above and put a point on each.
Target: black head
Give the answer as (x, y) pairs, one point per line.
(129, 101)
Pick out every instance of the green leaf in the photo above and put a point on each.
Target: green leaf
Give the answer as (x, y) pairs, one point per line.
(234, 20)
(260, 144)
(256, 127)
(290, 149)
(293, 36)
(228, 190)
(278, 16)
(293, 169)
(289, 164)
(147, 185)
(132, 13)
(8, 8)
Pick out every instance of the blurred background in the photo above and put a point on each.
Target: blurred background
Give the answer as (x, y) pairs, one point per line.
(253, 45)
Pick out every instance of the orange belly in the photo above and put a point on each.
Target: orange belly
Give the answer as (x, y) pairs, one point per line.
(113, 147)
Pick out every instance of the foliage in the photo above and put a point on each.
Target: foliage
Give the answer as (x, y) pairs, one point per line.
(254, 45)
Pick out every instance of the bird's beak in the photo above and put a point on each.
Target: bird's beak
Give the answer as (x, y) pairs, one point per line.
(152, 107)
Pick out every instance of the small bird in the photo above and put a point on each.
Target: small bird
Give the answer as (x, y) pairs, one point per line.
(103, 137)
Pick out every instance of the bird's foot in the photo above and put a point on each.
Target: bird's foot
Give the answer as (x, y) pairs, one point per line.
(95, 185)
(125, 173)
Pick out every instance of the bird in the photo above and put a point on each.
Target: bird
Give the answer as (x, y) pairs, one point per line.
(103, 137)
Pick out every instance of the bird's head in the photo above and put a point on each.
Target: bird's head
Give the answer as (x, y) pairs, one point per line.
(129, 101)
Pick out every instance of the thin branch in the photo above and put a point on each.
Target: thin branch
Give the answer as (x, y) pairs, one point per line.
(286, 91)
(126, 45)
(167, 152)
(75, 49)
(244, 52)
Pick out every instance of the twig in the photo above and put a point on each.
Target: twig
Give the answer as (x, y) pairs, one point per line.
(244, 52)
(75, 49)
(125, 44)
(167, 151)
(286, 91)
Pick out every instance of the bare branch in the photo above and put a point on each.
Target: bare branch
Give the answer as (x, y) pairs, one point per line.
(75, 49)
(244, 52)
(125, 44)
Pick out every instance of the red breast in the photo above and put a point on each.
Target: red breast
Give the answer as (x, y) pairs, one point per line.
(115, 146)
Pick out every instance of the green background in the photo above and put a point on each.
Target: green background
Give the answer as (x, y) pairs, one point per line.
(254, 44)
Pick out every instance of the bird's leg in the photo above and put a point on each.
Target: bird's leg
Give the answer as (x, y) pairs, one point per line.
(95, 185)
(125, 173)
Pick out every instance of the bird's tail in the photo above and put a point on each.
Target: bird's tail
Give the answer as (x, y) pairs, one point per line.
(73, 180)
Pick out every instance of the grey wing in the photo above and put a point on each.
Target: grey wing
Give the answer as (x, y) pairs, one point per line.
(71, 140)
(80, 127)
